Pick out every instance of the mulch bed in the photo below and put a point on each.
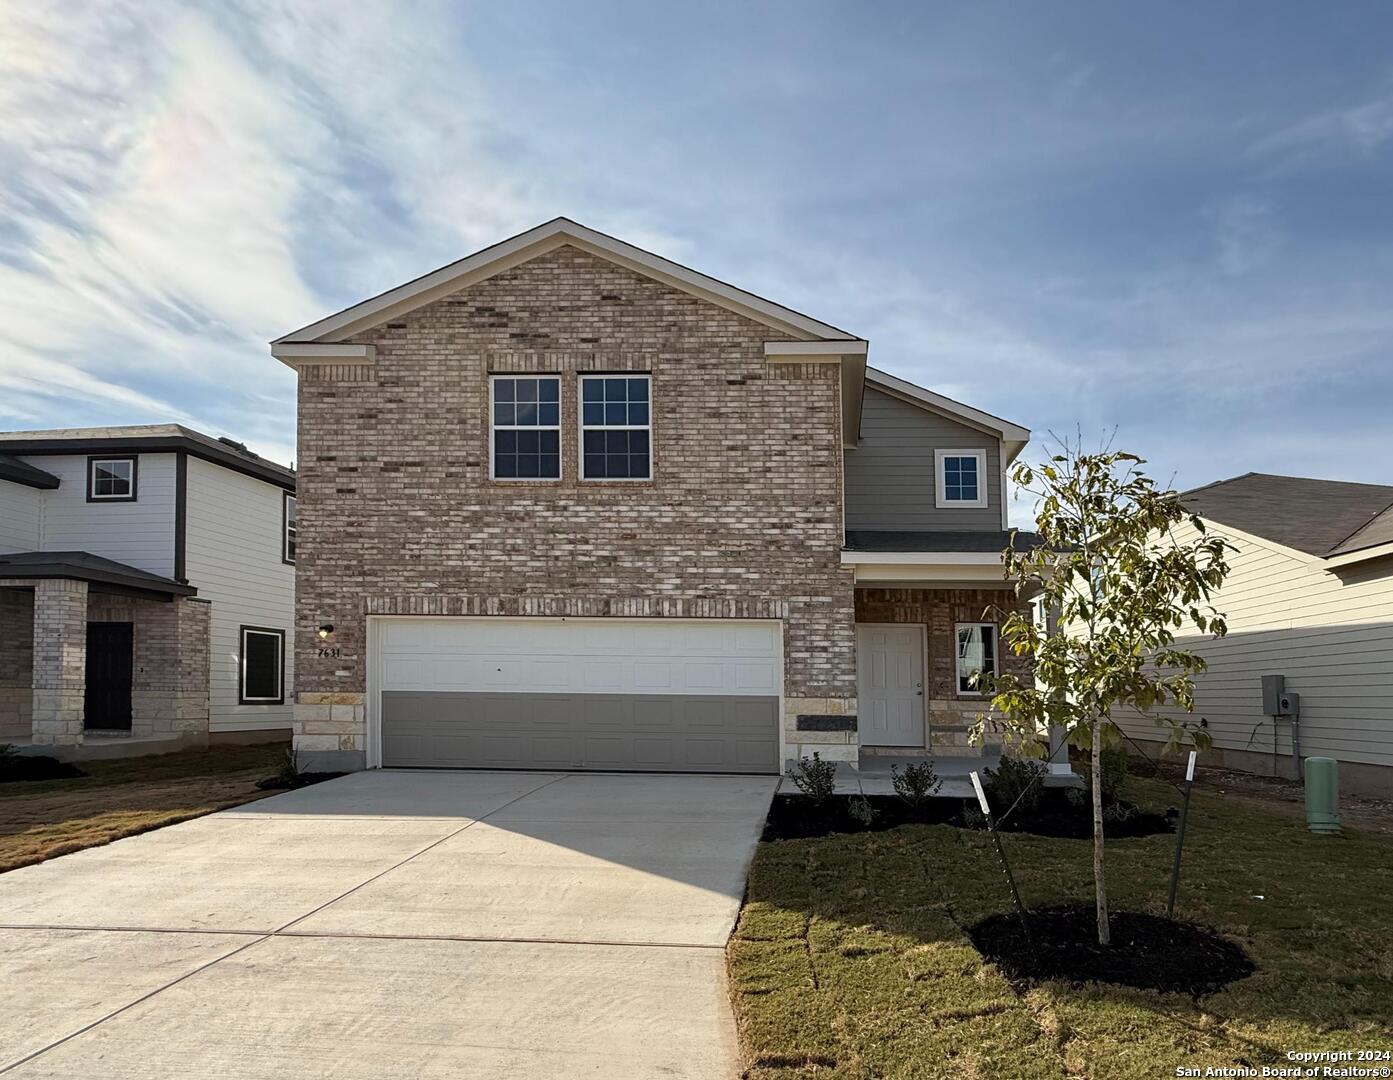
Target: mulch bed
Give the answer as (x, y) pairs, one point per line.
(793, 817)
(15, 768)
(304, 779)
(1147, 951)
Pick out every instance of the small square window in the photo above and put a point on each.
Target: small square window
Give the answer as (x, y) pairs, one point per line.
(976, 653)
(961, 479)
(111, 479)
(526, 427)
(616, 428)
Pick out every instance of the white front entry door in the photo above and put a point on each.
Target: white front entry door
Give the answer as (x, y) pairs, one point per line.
(890, 684)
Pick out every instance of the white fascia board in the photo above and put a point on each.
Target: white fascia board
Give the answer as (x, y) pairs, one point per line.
(296, 354)
(553, 234)
(805, 351)
(1374, 551)
(1012, 435)
(921, 558)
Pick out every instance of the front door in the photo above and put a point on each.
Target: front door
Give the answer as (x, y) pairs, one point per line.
(890, 684)
(108, 697)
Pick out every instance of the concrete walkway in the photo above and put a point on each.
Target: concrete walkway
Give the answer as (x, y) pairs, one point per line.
(421, 924)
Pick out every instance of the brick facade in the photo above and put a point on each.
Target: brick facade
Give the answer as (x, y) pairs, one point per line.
(60, 660)
(951, 714)
(397, 513)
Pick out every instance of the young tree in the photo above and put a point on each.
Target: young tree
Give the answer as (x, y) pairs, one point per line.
(1122, 584)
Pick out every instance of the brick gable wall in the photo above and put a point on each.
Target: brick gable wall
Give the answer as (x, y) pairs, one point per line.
(397, 514)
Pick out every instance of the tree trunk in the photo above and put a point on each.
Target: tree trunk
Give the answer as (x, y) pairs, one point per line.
(1099, 883)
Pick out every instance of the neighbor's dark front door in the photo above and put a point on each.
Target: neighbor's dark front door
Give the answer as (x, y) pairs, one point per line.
(108, 699)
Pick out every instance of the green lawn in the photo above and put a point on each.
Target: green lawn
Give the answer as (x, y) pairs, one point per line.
(850, 958)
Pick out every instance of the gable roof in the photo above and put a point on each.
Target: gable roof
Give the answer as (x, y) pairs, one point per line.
(146, 439)
(1323, 518)
(1013, 436)
(527, 245)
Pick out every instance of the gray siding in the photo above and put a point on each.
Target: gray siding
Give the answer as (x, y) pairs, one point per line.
(890, 475)
(139, 534)
(20, 517)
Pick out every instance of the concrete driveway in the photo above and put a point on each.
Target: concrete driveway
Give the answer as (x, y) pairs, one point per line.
(414, 924)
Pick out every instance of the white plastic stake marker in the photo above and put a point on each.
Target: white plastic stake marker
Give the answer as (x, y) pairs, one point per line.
(1190, 768)
(981, 795)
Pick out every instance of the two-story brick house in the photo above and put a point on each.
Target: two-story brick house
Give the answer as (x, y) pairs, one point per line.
(567, 504)
(146, 590)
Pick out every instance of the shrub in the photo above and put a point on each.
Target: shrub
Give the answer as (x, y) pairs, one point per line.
(1012, 779)
(815, 778)
(1116, 767)
(916, 783)
(861, 811)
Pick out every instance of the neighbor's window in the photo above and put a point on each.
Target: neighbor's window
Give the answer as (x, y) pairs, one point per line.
(976, 652)
(262, 680)
(111, 479)
(288, 532)
(962, 478)
(526, 420)
(615, 427)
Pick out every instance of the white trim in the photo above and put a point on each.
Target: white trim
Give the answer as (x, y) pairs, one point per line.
(923, 679)
(298, 354)
(544, 237)
(916, 558)
(813, 352)
(560, 452)
(1013, 436)
(129, 495)
(996, 656)
(243, 698)
(1373, 551)
(941, 500)
(287, 523)
(373, 701)
(582, 427)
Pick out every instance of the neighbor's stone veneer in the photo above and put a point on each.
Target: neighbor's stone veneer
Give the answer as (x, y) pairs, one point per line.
(60, 660)
(951, 714)
(397, 514)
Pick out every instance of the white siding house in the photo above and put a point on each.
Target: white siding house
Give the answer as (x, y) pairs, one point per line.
(1323, 620)
(22, 514)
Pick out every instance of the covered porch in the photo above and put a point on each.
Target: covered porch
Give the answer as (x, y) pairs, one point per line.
(98, 658)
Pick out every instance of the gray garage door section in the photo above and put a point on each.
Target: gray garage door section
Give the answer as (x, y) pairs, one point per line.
(696, 733)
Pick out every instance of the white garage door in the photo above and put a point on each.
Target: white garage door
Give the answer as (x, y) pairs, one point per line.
(641, 694)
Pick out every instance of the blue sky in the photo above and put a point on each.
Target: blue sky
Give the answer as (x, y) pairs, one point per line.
(1174, 219)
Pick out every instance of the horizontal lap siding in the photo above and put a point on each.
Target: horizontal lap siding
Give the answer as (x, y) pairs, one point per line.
(1330, 634)
(891, 477)
(19, 517)
(233, 558)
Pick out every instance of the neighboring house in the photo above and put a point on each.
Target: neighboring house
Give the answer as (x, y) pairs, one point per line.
(146, 589)
(568, 504)
(1309, 596)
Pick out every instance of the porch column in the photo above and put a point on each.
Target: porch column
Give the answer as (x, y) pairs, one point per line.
(1059, 753)
(60, 660)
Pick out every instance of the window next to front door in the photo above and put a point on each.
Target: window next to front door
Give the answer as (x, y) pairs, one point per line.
(111, 479)
(976, 653)
(261, 680)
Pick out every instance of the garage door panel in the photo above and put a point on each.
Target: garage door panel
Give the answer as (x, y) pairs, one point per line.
(577, 693)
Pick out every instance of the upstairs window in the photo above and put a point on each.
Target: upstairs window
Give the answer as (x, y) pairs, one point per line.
(288, 529)
(111, 479)
(961, 479)
(976, 653)
(262, 678)
(615, 427)
(526, 427)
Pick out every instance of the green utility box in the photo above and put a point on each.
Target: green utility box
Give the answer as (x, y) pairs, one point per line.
(1323, 794)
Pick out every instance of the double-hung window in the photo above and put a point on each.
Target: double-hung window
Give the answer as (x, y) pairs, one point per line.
(615, 427)
(261, 680)
(111, 479)
(288, 529)
(961, 479)
(976, 654)
(526, 424)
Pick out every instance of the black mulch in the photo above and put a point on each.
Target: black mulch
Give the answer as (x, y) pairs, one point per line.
(794, 817)
(304, 779)
(18, 767)
(1147, 951)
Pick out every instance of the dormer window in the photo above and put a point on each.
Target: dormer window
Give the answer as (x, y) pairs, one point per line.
(111, 479)
(961, 480)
